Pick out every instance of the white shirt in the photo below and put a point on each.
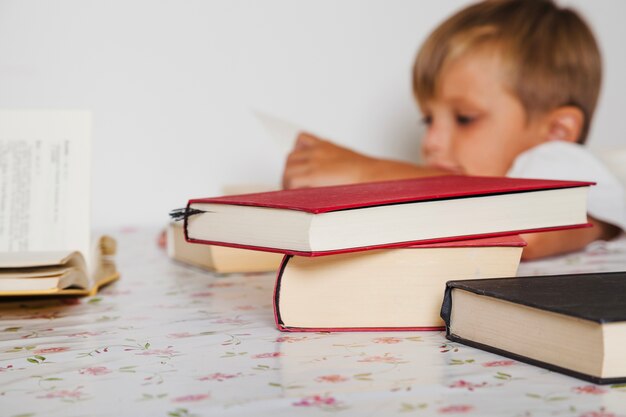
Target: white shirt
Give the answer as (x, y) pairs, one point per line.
(560, 160)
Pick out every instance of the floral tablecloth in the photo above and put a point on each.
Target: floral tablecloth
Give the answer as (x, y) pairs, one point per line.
(169, 340)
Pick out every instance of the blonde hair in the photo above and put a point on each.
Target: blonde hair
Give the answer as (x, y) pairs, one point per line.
(550, 55)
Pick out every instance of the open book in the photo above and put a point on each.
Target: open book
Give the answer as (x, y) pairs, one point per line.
(57, 272)
(45, 242)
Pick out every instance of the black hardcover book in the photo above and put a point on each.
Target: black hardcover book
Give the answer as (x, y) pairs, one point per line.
(573, 324)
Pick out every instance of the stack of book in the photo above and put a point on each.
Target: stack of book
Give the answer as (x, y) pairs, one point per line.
(376, 256)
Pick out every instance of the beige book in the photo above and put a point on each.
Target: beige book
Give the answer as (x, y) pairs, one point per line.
(384, 289)
(220, 259)
(57, 272)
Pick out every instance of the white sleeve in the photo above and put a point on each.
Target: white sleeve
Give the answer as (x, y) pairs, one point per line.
(561, 160)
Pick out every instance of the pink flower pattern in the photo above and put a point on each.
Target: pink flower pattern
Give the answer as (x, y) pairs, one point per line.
(267, 355)
(51, 350)
(601, 413)
(319, 401)
(95, 370)
(468, 385)
(192, 398)
(331, 378)
(290, 339)
(456, 409)
(498, 363)
(218, 377)
(589, 389)
(64, 394)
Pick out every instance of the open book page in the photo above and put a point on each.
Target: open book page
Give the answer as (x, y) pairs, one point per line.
(34, 259)
(103, 269)
(28, 273)
(42, 271)
(48, 284)
(45, 181)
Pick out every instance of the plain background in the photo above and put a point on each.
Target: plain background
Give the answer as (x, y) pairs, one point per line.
(171, 85)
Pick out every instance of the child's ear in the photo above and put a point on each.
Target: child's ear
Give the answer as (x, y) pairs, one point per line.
(564, 123)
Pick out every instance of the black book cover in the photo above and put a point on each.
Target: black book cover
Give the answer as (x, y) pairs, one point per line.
(598, 297)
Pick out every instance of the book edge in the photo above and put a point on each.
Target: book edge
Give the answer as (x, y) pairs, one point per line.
(382, 246)
(276, 296)
(522, 188)
(466, 286)
(535, 362)
(288, 329)
(88, 292)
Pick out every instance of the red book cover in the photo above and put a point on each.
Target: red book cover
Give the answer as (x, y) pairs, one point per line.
(510, 241)
(341, 197)
(335, 198)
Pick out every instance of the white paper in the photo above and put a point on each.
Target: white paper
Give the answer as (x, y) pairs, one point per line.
(281, 132)
(45, 181)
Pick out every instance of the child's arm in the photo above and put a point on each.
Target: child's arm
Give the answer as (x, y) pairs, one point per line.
(315, 162)
(545, 244)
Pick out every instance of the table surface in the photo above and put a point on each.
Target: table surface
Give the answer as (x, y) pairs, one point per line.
(170, 340)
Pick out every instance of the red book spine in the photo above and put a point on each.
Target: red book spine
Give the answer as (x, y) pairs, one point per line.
(384, 246)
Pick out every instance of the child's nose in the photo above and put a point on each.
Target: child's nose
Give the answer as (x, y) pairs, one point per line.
(436, 144)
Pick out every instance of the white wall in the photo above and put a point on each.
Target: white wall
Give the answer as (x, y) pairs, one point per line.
(171, 83)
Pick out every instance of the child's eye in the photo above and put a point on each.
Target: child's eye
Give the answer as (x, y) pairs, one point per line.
(427, 120)
(464, 120)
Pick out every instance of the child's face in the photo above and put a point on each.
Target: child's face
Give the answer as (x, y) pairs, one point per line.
(474, 124)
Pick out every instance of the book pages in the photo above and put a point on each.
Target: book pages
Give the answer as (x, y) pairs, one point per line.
(45, 181)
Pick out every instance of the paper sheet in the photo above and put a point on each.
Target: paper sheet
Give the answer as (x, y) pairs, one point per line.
(45, 181)
(281, 132)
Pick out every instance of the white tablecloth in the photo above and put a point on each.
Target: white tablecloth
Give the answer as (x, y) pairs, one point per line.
(168, 340)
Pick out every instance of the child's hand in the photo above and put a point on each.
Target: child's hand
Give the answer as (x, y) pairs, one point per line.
(541, 245)
(315, 162)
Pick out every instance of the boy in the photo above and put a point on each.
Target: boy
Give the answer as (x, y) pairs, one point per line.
(506, 88)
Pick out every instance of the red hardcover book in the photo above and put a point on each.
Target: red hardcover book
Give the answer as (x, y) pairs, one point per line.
(347, 218)
(387, 289)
